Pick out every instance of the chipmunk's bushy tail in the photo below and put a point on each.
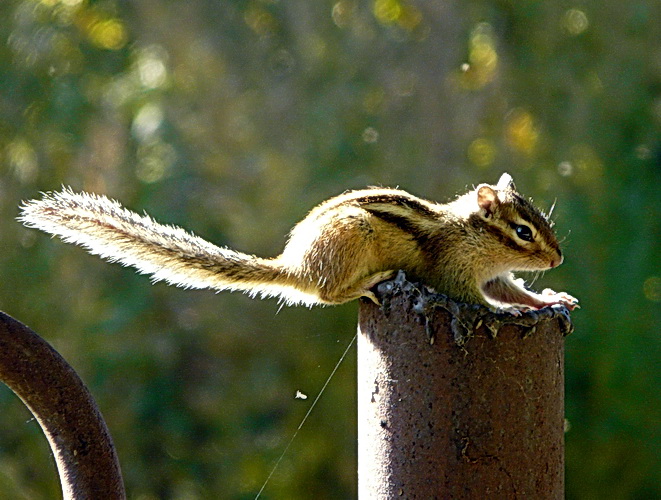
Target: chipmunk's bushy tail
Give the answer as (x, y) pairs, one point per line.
(169, 253)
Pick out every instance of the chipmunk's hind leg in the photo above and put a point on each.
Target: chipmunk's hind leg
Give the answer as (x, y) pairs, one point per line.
(361, 288)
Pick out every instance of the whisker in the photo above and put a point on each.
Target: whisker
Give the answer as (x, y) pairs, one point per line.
(535, 276)
(565, 238)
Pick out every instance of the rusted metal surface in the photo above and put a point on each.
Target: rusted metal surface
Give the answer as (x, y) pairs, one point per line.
(51, 389)
(470, 417)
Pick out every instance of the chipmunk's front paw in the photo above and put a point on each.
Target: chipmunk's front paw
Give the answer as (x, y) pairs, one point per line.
(551, 297)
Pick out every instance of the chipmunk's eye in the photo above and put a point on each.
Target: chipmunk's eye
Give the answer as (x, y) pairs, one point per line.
(523, 232)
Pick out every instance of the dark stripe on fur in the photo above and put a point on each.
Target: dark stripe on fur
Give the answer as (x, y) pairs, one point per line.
(403, 223)
(477, 222)
(530, 214)
(396, 200)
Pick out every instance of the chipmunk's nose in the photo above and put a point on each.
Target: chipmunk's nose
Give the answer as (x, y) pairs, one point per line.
(555, 262)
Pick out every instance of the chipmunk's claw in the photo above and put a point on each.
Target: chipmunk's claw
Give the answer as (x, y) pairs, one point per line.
(562, 298)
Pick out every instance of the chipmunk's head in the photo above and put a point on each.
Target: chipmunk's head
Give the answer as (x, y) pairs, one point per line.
(521, 235)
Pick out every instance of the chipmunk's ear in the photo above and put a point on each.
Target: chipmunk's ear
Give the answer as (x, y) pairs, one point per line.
(506, 183)
(487, 200)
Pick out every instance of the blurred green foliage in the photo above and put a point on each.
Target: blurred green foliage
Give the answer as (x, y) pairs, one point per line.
(232, 119)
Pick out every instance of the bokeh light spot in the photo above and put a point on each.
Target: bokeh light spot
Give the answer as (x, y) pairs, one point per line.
(341, 13)
(575, 21)
(652, 288)
(370, 135)
(108, 34)
(410, 18)
(482, 152)
(402, 14)
(521, 132)
(643, 152)
(65, 3)
(588, 165)
(565, 168)
(387, 11)
(155, 159)
(147, 121)
(152, 70)
(23, 160)
(260, 21)
(482, 65)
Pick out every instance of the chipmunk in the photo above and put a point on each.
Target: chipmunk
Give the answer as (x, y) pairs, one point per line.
(465, 249)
